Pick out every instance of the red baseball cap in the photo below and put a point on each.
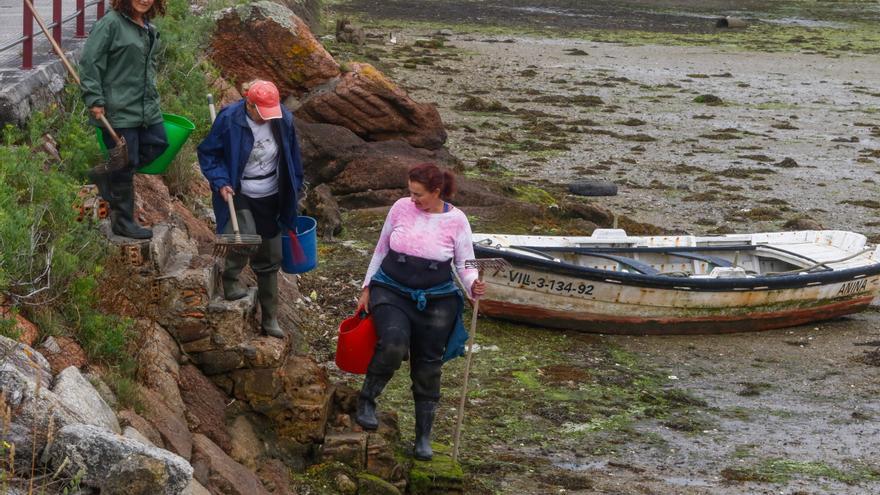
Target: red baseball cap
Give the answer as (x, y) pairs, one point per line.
(264, 95)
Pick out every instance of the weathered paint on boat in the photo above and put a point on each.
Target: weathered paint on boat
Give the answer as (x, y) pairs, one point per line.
(545, 293)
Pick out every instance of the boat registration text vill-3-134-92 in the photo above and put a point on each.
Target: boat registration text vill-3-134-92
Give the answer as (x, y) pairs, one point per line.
(550, 284)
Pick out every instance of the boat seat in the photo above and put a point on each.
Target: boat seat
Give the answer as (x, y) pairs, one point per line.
(715, 260)
(636, 265)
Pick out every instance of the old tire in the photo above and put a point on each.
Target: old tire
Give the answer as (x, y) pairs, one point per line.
(592, 188)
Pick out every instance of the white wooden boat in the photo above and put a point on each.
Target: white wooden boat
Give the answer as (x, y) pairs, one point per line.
(618, 284)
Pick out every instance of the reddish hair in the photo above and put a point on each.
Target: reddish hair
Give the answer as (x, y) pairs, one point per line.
(433, 178)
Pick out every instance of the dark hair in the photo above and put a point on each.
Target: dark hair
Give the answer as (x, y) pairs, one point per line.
(124, 6)
(433, 178)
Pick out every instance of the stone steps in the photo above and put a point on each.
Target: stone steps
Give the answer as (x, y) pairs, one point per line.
(219, 335)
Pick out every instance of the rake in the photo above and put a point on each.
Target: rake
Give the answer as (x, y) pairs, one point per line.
(496, 264)
(235, 243)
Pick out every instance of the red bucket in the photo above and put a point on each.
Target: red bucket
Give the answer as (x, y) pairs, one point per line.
(356, 344)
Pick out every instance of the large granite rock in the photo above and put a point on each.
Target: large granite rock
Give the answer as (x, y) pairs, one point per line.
(307, 10)
(170, 423)
(373, 107)
(158, 367)
(128, 418)
(363, 174)
(266, 40)
(360, 174)
(115, 464)
(25, 378)
(219, 473)
(80, 397)
(247, 447)
(205, 406)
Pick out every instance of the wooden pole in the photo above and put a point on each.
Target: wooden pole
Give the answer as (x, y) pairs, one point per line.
(467, 370)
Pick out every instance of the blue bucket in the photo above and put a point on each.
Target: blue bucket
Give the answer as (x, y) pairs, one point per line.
(308, 241)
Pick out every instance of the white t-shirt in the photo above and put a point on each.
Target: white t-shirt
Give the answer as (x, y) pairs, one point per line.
(262, 161)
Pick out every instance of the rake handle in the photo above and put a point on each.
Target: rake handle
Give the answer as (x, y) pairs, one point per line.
(232, 215)
(67, 65)
(467, 371)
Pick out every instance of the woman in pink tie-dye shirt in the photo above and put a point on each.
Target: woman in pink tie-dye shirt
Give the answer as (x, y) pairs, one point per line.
(409, 291)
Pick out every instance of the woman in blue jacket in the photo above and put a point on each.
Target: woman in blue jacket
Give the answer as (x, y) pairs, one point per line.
(252, 154)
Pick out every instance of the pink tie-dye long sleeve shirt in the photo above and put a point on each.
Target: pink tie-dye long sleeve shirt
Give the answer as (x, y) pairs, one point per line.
(433, 236)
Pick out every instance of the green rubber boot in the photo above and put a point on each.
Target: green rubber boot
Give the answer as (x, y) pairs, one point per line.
(233, 289)
(102, 182)
(267, 291)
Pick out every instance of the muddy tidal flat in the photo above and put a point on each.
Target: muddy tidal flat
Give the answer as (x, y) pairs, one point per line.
(704, 130)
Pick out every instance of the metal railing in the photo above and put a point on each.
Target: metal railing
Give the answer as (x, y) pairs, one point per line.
(27, 39)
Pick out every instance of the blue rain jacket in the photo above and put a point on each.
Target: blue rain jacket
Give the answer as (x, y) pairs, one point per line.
(225, 151)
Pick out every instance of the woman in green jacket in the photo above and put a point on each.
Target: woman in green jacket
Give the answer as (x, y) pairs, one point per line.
(118, 72)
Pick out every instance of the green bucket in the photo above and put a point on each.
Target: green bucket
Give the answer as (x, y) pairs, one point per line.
(177, 129)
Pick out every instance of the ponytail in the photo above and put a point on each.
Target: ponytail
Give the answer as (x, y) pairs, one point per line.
(433, 178)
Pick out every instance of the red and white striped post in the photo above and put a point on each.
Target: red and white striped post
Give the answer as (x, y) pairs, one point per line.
(101, 9)
(27, 30)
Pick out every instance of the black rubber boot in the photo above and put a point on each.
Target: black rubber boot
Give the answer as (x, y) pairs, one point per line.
(121, 200)
(425, 411)
(267, 291)
(366, 407)
(102, 182)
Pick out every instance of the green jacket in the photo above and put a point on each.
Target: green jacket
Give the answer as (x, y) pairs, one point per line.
(118, 71)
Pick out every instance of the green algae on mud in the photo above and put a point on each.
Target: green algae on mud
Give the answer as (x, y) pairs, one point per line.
(436, 475)
(532, 388)
(781, 471)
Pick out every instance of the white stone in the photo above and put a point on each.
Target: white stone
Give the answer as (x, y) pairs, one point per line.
(116, 464)
(81, 398)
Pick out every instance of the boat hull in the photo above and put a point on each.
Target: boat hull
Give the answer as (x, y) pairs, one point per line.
(610, 306)
(586, 321)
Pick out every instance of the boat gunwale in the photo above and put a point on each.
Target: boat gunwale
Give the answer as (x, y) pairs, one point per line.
(758, 283)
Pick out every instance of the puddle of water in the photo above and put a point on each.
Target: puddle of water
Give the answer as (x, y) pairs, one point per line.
(682, 481)
(544, 10)
(811, 23)
(582, 466)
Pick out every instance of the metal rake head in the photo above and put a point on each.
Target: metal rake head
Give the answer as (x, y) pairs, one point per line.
(117, 159)
(240, 244)
(482, 264)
